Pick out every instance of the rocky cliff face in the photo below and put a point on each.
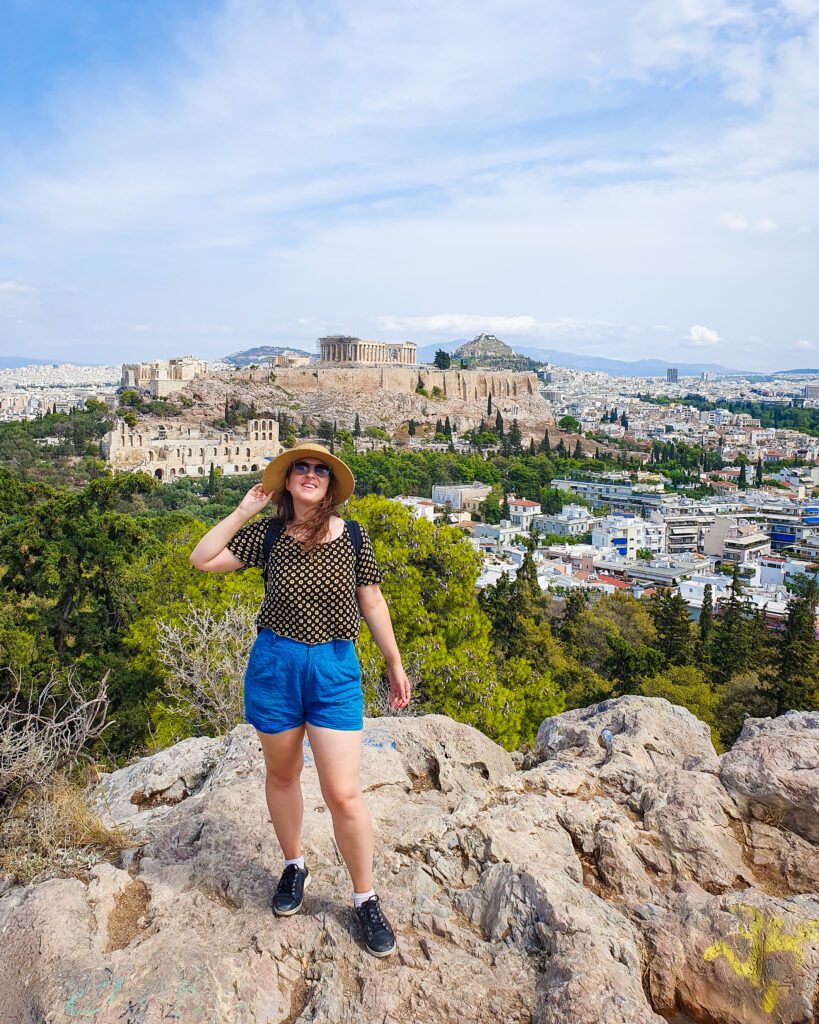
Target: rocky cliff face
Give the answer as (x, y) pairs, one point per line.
(655, 882)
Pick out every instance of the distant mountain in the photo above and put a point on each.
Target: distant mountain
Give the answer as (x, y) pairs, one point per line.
(262, 352)
(614, 367)
(15, 362)
(794, 373)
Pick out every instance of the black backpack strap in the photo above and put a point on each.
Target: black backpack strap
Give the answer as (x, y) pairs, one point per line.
(354, 530)
(274, 530)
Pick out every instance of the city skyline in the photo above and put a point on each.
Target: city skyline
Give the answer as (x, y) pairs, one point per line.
(627, 180)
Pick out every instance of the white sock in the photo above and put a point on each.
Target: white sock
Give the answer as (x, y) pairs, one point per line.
(296, 860)
(362, 897)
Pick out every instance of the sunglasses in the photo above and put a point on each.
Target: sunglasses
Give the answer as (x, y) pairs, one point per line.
(302, 468)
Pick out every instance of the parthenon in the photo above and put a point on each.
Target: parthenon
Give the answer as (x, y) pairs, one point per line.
(338, 348)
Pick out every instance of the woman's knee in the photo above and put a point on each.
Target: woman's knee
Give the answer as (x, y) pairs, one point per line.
(346, 801)
(282, 776)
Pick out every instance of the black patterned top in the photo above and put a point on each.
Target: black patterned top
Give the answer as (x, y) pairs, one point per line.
(310, 598)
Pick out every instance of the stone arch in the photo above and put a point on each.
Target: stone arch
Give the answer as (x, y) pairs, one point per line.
(244, 469)
(200, 470)
(254, 468)
(158, 473)
(171, 473)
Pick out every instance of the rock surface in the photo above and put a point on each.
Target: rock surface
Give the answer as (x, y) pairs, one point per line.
(653, 881)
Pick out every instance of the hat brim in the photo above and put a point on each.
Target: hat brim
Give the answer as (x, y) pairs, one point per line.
(275, 471)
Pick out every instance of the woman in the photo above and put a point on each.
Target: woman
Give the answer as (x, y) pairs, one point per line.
(303, 673)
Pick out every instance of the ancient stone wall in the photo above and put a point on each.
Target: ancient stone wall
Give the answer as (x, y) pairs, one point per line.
(168, 451)
(464, 385)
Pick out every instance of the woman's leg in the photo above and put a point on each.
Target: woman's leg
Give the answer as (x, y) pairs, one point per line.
(284, 760)
(338, 759)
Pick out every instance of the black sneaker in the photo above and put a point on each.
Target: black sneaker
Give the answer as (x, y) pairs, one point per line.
(378, 936)
(290, 890)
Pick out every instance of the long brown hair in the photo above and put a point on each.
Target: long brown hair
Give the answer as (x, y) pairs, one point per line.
(314, 526)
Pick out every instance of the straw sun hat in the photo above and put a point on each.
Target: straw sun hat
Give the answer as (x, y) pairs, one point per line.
(343, 480)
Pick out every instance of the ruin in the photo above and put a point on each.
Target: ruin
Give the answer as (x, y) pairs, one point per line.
(168, 451)
(338, 348)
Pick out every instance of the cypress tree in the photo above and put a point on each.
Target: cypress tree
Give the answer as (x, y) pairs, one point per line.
(706, 623)
(410, 428)
(212, 482)
(560, 451)
(499, 424)
(515, 439)
(489, 404)
(447, 427)
(439, 427)
(545, 444)
(758, 479)
(532, 448)
(743, 477)
(578, 451)
(227, 411)
(357, 426)
(673, 624)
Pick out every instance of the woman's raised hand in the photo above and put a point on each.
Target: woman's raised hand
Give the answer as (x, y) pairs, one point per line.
(254, 501)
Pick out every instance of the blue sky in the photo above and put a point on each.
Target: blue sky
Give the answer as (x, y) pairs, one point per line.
(630, 178)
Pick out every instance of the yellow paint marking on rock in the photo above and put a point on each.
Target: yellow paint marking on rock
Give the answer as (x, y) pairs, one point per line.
(765, 936)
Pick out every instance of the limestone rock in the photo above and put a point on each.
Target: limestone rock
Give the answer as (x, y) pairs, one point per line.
(577, 887)
(772, 771)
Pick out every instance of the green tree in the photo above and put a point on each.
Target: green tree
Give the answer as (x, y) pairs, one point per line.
(515, 439)
(447, 427)
(688, 687)
(759, 476)
(545, 445)
(732, 649)
(357, 426)
(499, 424)
(795, 685)
(411, 428)
(569, 424)
(673, 624)
(489, 404)
(645, 554)
(442, 360)
(705, 626)
(578, 450)
(743, 475)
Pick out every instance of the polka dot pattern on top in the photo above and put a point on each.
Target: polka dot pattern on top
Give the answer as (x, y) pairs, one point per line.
(310, 598)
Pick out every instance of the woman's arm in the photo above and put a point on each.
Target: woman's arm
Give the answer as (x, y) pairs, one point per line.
(211, 554)
(376, 614)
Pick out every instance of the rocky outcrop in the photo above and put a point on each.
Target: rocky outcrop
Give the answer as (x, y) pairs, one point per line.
(646, 882)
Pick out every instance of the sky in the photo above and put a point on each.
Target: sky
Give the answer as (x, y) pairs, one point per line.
(628, 178)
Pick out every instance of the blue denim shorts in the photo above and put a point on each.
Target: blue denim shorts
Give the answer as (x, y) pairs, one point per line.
(288, 683)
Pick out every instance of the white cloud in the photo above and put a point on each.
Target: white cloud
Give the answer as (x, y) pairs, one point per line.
(15, 287)
(702, 337)
(739, 222)
(459, 323)
(803, 345)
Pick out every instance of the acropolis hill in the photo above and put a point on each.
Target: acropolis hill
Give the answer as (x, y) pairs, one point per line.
(384, 396)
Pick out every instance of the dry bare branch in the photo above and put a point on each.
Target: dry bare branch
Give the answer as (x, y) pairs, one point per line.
(44, 735)
(205, 656)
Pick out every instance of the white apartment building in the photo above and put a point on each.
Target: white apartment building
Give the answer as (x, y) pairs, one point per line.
(461, 497)
(735, 540)
(627, 535)
(571, 521)
(421, 508)
(522, 511)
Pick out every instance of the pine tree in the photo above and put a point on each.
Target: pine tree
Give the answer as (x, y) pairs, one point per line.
(357, 426)
(499, 424)
(731, 650)
(795, 686)
(673, 624)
